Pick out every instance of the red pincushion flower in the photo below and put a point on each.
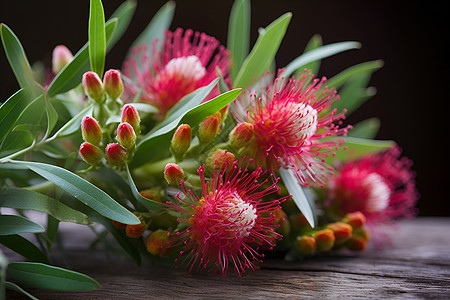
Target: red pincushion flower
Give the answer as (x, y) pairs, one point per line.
(290, 123)
(188, 60)
(228, 222)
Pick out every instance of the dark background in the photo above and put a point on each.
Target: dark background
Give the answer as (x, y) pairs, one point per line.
(409, 36)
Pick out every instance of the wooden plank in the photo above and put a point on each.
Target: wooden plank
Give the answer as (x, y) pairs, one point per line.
(417, 265)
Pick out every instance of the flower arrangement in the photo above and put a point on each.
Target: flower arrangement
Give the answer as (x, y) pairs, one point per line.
(200, 155)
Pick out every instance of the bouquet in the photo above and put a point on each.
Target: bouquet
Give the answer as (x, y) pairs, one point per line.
(195, 154)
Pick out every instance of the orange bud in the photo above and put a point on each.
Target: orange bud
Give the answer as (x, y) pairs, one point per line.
(115, 154)
(218, 158)
(93, 86)
(112, 81)
(306, 244)
(61, 56)
(135, 231)
(156, 241)
(126, 136)
(355, 219)
(223, 112)
(181, 140)
(119, 225)
(131, 116)
(209, 128)
(90, 153)
(173, 173)
(356, 243)
(91, 130)
(241, 135)
(342, 231)
(325, 239)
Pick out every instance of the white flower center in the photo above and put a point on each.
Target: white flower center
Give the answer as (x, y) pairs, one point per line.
(307, 121)
(240, 215)
(379, 193)
(190, 68)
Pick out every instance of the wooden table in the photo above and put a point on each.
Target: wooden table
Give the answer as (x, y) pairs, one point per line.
(416, 266)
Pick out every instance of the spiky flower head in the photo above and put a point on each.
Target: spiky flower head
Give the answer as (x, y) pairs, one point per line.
(381, 186)
(291, 119)
(228, 222)
(187, 61)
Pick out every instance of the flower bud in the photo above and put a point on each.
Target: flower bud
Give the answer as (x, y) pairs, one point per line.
(131, 116)
(135, 231)
(90, 153)
(355, 219)
(241, 135)
(356, 243)
(156, 241)
(173, 173)
(119, 225)
(126, 136)
(112, 81)
(91, 131)
(61, 56)
(115, 154)
(209, 128)
(325, 239)
(181, 140)
(223, 113)
(93, 86)
(342, 231)
(218, 158)
(306, 245)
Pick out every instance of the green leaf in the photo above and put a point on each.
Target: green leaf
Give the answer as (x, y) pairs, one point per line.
(158, 141)
(298, 195)
(239, 34)
(97, 37)
(16, 288)
(340, 79)
(23, 247)
(314, 43)
(154, 30)
(74, 124)
(10, 111)
(354, 93)
(18, 60)
(70, 76)
(25, 199)
(50, 277)
(11, 224)
(317, 54)
(52, 116)
(367, 129)
(354, 148)
(149, 204)
(263, 52)
(83, 190)
(124, 14)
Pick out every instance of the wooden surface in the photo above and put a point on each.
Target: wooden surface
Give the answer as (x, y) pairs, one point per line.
(416, 266)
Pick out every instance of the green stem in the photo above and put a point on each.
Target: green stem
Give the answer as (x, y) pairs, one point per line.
(8, 159)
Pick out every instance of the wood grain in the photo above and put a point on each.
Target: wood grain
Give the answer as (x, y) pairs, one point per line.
(416, 266)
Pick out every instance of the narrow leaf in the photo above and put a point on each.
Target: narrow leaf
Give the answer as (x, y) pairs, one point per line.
(314, 43)
(23, 247)
(149, 204)
(50, 277)
(239, 34)
(319, 53)
(263, 52)
(70, 76)
(298, 195)
(366, 129)
(11, 224)
(124, 14)
(97, 37)
(74, 124)
(354, 148)
(340, 79)
(16, 288)
(18, 60)
(24, 199)
(10, 111)
(83, 190)
(158, 141)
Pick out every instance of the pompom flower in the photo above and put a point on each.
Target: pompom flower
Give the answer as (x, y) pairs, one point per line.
(187, 61)
(381, 186)
(291, 120)
(228, 222)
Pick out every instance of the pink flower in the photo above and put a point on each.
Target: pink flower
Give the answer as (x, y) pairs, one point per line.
(228, 222)
(188, 60)
(381, 186)
(290, 123)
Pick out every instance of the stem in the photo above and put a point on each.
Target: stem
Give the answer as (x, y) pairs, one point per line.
(18, 153)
